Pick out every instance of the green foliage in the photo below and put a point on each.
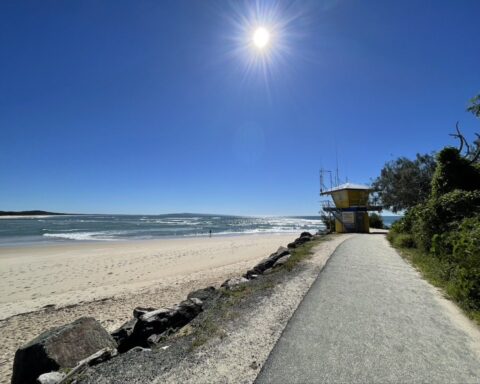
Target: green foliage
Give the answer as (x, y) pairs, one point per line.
(328, 221)
(465, 280)
(454, 266)
(375, 220)
(405, 224)
(404, 240)
(447, 232)
(474, 106)
(454, 172)
(404, 183)
(442, 215)
(301, 253)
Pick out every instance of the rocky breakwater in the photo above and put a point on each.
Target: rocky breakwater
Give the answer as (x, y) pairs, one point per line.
(59, 353)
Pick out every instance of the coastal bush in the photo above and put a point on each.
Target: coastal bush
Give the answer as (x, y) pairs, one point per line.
(465, 280)
(328, 221)
(441, 215)
(404, 240)
(447, 233)
(375, 221)
(405, 224)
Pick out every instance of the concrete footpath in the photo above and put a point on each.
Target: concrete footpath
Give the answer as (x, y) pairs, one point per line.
(371, 318)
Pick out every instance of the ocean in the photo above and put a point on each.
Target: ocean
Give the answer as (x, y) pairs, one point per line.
(77, 228)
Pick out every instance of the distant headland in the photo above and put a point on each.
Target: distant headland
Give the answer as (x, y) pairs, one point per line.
(29, 213)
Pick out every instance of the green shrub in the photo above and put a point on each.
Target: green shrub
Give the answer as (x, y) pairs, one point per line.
(404, 240)
(405, 224)
(391, 235)
(375, 221)
(465, 280)
(453, 261)
(442, 215)
(328, 221)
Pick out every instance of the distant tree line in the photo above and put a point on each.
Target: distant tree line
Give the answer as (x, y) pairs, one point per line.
(29, 213)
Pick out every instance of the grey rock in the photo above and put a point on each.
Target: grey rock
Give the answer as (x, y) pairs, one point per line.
(99, 357)
(306, 234)
(267, 263)
(139, 311)
(139, 349)
(156, 323)
(92, 360)
(203, 294)
(154, 339)
(51, 378)
(298, 242)
(60, 347)
(281, 261)
(122, 335)
(234, 281)
(156, 314)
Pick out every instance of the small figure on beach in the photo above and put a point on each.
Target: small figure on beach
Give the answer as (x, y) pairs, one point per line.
(210, 233)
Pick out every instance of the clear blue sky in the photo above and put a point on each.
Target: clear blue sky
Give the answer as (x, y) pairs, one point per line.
(157, 106)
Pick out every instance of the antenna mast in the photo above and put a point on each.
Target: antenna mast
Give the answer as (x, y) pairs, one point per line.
(337, 179)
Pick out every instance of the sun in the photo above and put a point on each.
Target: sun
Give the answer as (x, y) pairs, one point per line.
(261, 37)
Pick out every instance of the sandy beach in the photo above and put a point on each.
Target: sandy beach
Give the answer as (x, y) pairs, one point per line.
(107, 280)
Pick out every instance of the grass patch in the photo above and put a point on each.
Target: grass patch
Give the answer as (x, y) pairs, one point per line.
(434, 271)
(206, 329)
(225, 310)
(303, 252)
(226, 307)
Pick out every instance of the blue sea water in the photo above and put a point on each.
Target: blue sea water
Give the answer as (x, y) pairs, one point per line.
(128, 227)
(76, 228)
(389, 220)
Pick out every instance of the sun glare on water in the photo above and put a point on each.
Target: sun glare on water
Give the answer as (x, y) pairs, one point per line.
(261, 37)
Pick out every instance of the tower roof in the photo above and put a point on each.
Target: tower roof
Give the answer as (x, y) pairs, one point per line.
(348, 186)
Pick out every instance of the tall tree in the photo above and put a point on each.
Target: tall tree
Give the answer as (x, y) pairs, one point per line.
(404, 183)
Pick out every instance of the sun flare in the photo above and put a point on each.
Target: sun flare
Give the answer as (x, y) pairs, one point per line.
(264, 38)
(261, 37)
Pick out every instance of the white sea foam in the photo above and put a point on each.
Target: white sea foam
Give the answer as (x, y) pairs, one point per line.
(102, 236)
(257, 231)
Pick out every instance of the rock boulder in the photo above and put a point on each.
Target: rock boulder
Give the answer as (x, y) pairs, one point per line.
(122, 335)
(203, 294)
(61, 347)
(300, 241)
(140, 311)
(267, 263)
(281, 261)
(51, 378)
(137, 332)
(233, 282)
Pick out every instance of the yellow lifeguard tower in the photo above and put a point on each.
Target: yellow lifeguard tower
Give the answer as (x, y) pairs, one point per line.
(351, 206)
